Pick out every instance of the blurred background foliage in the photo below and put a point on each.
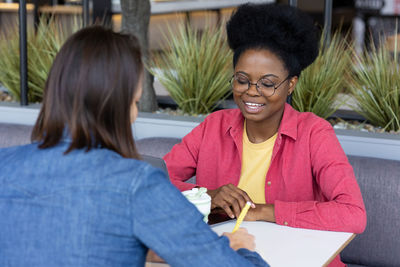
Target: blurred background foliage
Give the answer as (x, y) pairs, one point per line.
(42, 48)
(196, 68)
(375, 84)
(321, 82)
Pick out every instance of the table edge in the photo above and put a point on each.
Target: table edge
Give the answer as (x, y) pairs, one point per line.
(339, 250)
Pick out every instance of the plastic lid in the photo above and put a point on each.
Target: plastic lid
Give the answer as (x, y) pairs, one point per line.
(197, 194)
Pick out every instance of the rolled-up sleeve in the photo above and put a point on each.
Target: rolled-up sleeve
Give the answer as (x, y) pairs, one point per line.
(163, 220)
(343, 209)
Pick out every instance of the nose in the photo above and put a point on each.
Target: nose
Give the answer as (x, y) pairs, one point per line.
(253, 90)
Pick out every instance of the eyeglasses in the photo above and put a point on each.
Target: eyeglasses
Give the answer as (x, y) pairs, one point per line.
(265, 87)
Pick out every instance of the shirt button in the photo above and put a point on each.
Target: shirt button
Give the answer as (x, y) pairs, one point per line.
(269, 183)
(285, 223)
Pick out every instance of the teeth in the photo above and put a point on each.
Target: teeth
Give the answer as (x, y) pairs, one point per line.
(253, 104)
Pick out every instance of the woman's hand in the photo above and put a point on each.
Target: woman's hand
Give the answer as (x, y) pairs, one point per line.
(262, 212)
(241, 239)
(230, 198)
(153, 257)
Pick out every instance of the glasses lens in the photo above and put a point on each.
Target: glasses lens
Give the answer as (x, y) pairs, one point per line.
(240, 83)
(267, 87)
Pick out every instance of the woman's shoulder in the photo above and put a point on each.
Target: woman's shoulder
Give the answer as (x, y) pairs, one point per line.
(224, 118)
(111, 172)
(9, 155)
(224, 114)
(314, 128)
(297, 123)
(217, 123)
(115, 163)
(134, 171)
(310, 121)
(101, 163)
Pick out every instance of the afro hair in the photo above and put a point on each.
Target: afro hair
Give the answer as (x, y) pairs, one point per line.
(282, 29)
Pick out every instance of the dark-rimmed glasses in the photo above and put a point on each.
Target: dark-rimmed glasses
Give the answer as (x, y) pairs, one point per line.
(265, 87)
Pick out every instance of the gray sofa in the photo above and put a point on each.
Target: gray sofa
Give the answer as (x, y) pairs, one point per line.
(379, 245)
(379, 180)
(14, 134)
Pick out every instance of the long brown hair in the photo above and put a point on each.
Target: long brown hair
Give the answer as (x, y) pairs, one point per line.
(89, 92)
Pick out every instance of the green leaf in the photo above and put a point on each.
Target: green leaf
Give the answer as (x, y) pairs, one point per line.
(196, 68)
(375, 84)
(321, 82)
(42, 47)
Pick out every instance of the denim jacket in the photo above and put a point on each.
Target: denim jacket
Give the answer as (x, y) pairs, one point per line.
(98, 209)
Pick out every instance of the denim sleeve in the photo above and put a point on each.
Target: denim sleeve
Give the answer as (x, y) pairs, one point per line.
(253, 257)
(163, 220)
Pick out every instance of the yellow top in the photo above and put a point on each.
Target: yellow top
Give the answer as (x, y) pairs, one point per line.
(256, 159)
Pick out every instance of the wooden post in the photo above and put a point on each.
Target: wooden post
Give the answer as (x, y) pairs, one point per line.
(86, 13)
(23, 57)
(135, 20)
(327, 22)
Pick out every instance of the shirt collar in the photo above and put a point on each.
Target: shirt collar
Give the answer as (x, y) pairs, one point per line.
(235, 122)
(66, 137)
(288, 125)
(289, 122)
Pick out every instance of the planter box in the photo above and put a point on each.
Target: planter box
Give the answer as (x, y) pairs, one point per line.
(163, 125)
(13, 113)
(365, 144)
(376, 145)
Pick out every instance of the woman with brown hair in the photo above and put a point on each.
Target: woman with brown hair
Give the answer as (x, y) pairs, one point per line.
(78, 195)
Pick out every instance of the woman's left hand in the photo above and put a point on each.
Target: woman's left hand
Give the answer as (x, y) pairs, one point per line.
(153, 257)
(262, 212)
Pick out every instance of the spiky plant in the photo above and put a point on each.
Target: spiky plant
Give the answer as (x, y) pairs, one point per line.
(375, 85)
(42, 47)
(321, 82)
(196, 69)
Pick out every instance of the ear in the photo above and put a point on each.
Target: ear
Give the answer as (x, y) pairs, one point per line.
(292, 84)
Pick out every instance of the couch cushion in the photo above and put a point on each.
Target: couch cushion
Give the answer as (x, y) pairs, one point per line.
(155, 162)
(14, 134)
(156, 146)
(379, 245)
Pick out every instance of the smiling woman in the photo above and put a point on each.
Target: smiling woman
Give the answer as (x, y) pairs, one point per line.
(288, 163)
(263, 102)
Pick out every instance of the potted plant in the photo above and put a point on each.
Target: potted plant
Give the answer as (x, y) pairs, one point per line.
(42, 48)
(196, 68)
(320, 83)
(375, 84)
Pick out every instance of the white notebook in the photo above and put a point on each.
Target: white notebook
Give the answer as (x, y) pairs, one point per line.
(283, 246)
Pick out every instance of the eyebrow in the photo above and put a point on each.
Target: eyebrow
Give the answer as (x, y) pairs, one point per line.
(264, 76)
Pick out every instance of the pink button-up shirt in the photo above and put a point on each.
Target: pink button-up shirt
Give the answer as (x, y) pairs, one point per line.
(310, 180)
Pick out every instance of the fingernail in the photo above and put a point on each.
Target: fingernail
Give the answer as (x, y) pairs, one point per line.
(253, 205)
(232, 216)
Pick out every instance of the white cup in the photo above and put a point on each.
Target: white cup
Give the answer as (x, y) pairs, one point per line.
(200, 198)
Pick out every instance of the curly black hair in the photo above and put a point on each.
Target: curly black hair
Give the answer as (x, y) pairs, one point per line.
(284, 30)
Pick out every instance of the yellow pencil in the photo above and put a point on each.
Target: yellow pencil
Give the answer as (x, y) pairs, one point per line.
(241, 216)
